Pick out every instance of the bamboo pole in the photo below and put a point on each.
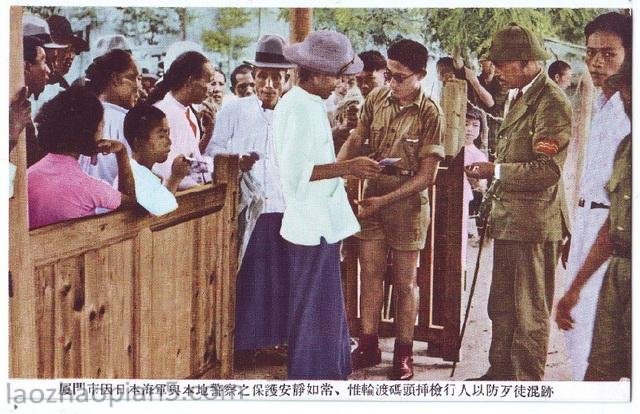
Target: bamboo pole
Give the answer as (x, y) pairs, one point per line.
(22, 332)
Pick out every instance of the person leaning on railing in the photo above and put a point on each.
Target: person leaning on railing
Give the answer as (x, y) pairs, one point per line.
(69, 125)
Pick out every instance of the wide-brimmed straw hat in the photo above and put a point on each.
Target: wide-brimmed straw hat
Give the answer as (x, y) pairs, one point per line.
(327, 52)
(269, 53)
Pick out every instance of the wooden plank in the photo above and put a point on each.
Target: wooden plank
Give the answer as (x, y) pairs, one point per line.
(93, 331)
(22, 307)
(143, 313)
(68, 307)
(185, 272)
(45, 311)
(94, 232)
(161, 320)
(118, 285)
(227, 173)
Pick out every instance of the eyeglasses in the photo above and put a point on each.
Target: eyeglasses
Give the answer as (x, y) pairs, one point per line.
(398, 77)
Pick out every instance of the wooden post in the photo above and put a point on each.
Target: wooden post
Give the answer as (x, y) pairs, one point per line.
(22, 332)
(300, 25)
(226, 171)
(454, 106)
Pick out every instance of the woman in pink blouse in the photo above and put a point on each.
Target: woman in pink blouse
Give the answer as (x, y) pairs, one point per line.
(70, 125)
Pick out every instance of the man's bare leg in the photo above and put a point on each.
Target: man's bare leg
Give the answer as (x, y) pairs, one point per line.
(405, 286)
(373, 264)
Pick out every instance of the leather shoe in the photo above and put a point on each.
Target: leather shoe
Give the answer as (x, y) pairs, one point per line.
(402, 369)
(402, 362)
(365, 357)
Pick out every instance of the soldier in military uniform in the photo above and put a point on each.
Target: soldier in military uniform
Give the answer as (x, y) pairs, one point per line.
(610, 356)
(527, 218)
(398, 121)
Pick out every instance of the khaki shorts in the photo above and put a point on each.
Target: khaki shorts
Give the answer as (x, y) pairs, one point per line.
(611, 344)
(403, 224)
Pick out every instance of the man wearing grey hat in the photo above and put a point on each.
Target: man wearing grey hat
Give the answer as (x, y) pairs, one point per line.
(244, 126)
(528, 219)
(397, 121)
(317, 213)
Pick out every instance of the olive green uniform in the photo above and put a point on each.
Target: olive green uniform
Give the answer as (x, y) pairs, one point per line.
(411, 133)
(611, 344)
(527, 221)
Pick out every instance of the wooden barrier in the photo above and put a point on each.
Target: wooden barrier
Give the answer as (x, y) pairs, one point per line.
(128, 295)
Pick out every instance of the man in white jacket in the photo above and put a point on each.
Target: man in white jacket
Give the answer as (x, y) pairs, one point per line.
(608, 44)
(244, 127)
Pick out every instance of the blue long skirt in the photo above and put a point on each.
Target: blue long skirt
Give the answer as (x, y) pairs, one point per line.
(318, 333)
(262, 288)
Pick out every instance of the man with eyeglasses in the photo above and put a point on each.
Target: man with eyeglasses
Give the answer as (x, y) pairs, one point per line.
(608, 44)
(400, 122)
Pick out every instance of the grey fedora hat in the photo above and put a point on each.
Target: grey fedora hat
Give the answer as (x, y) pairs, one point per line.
(327, 52)
(269, 53)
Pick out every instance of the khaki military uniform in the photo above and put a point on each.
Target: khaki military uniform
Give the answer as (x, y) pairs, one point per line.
(527, 221)
(611, 344)
(411, 133)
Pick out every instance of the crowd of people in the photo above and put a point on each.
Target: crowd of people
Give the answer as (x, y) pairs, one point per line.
(121, 137)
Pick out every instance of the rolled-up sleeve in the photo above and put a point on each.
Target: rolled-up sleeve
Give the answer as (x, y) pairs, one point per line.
(432, 139)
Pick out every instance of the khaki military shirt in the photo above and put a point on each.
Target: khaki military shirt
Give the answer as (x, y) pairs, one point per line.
(619, 189)
(388, 130)
(528, 200)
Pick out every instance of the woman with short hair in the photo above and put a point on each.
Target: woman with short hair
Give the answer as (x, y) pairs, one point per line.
(71, 125)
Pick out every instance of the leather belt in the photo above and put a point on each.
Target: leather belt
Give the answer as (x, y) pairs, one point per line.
(620, 251)
(393, 170)
(594, 205)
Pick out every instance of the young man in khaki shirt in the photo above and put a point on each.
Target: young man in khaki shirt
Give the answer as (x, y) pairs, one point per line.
(398, 121)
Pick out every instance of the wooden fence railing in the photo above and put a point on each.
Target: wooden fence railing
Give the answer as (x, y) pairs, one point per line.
(128, 295)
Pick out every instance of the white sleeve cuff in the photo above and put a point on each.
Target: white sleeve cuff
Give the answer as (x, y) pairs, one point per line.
(496, 172)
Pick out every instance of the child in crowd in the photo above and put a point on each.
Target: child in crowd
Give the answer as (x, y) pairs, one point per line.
(473, 188)
(69, 125)
(147, 131)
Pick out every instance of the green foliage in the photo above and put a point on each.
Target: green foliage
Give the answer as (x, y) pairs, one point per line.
(470, 30)
(464, 30)
(367, 27)
(148, 25)
(223, 40)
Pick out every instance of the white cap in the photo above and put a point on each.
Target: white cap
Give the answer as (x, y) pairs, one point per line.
(37, 26)
(109, 42)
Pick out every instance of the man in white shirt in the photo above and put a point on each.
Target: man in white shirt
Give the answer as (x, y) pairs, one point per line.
(245, 127)
(186, 83)
(317, 215)
(608, 44)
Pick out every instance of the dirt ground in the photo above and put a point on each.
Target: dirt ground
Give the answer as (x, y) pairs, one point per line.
(475, 346)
